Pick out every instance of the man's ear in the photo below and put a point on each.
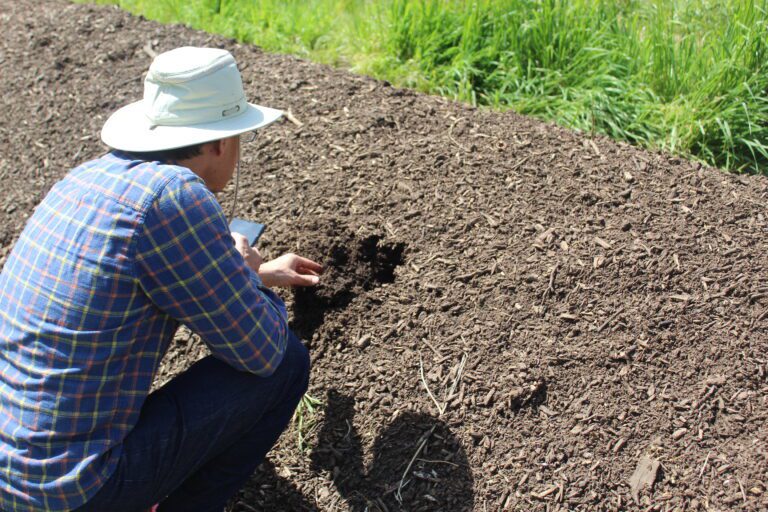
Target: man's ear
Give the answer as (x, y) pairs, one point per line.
(215, 147)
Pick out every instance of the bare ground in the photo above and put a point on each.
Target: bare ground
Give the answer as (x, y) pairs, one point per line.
(514, 316)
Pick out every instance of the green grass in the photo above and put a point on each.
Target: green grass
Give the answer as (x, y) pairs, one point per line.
(304, 419)
(686, 76)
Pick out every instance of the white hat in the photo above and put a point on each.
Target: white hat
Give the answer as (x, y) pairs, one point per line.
(191, 96)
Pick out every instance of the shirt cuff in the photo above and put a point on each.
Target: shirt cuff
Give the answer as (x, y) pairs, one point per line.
(272, 296)
(255, 279)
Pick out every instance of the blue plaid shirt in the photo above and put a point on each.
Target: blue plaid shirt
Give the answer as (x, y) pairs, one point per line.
(115, 257)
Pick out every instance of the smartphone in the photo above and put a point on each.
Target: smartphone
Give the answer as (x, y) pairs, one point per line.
(251, 230)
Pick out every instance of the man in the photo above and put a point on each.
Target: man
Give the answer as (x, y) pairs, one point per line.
(118, 254)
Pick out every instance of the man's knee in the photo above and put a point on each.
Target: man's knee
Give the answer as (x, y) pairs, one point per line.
(298, 363)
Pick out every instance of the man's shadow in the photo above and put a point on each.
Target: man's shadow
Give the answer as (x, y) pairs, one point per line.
(268, 491)
(417, 463)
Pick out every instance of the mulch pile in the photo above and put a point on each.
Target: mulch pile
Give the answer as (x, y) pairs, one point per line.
(514, 316)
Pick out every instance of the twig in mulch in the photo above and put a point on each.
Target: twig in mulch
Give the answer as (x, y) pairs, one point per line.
(440, 408)
(382, 506)
(594, 147)
(459, 372)
(127, 81)
(541, 495)
(741, 487)
(388, 226)
(432, 348)
(289, 116)
(464, 278)
(422, 443)
(551, 286)
(429, 392)
(434, 461)
(519, 163)
(450, 134)
(147, 48)
(704, 466)
(456, 380)
(610, 319)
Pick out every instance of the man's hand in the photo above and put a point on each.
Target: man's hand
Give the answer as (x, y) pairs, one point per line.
(290, 270)
(250, 254)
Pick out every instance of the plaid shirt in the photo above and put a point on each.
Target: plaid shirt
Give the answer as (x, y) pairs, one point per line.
(114, 258)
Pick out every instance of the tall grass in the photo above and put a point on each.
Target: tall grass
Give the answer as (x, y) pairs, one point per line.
(687, 76)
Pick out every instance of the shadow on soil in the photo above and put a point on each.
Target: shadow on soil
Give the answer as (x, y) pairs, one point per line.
(269, 491)
(438, 478)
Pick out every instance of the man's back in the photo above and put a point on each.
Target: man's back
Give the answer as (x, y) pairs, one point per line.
(113, 258)
(76, 332)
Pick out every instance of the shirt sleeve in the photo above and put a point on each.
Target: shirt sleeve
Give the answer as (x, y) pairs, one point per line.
(187, 264)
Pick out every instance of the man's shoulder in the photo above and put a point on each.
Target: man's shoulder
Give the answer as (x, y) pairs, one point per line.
(127, 180)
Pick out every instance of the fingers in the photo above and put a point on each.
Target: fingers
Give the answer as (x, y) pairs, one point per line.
(254, 257)
(305, 280)
(250, 254)
(241, 242)
(291, 270)
(307, 264)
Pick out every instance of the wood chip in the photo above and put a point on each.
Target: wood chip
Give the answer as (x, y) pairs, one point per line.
(364, 341)
(602, 243)
(491, 221)
(546, 492)
(147, 48)
(715, 380)
(546, 410)
(598, 261)
(644, 476)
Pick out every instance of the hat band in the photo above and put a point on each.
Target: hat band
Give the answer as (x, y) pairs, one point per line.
(198, 115)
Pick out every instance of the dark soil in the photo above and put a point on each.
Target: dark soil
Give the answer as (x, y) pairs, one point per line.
(591, 305)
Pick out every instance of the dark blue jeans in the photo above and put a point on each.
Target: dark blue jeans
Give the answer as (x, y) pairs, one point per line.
(201, 436)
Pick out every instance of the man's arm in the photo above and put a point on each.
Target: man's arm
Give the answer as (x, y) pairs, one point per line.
(187, 264)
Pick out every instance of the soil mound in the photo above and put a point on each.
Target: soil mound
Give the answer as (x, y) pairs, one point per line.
(514, 316)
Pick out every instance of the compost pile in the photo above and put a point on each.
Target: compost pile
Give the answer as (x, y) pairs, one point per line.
(513, 316)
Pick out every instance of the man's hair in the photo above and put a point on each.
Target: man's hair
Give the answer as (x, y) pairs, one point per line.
(168, 155)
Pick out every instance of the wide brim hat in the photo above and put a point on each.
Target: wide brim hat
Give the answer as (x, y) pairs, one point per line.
(191, 96)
